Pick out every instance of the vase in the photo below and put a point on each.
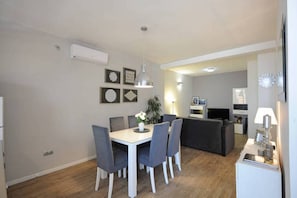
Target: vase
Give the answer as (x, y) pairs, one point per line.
(141, 126)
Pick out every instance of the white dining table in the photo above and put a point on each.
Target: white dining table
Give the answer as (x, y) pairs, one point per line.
(132, 139)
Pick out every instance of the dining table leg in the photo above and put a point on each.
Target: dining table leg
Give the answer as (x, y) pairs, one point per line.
(132, 170)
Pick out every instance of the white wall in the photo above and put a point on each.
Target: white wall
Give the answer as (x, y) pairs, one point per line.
(181, 95)
(266, 65)
(51, 101)
(252, 96)
(218, 89)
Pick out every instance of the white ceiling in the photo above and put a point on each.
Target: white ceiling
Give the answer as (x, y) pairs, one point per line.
(177, 29)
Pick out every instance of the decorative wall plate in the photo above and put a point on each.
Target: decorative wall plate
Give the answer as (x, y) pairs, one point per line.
(110, 95)
(112, 76)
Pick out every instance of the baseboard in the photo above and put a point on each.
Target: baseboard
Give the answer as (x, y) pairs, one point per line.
(45, 172)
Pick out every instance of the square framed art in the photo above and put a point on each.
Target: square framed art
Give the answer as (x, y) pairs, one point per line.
(129, 76)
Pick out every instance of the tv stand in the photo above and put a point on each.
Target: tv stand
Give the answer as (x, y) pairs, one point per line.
(198, 111)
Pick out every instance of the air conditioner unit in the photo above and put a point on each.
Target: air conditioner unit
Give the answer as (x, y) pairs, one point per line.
(88, 54)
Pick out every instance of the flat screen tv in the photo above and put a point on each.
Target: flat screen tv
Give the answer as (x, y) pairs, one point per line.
(218, 113)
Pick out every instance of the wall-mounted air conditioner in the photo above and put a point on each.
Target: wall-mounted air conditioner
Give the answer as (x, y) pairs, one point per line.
(88, 54)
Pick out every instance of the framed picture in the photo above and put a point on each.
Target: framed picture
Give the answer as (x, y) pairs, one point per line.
(129, 76)
(129, 95)
(202, 101)
(282, 69)
(110, 95)
(112, 76)
(195, 100)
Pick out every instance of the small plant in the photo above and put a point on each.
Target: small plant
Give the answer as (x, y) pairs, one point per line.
(153, 110)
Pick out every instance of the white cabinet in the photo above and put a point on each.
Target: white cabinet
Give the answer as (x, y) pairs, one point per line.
(256, 179)
(198, 111)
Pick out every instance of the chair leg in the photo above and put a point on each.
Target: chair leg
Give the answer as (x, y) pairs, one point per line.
(97, 179)
(147, 169)
(177, 160)
(141, 166)
(152, 180)
(124, 172)
(110, 185)
(170, 167)
(119, 173)
(165, 172)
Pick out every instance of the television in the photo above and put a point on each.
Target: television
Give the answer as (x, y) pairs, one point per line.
(218, 113)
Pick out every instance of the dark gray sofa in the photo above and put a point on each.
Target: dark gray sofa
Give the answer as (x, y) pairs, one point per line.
(216, 136)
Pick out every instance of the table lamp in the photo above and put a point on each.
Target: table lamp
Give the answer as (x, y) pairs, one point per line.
(266, 117)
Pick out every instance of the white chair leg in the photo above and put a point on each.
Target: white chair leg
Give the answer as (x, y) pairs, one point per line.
(152, 180)
(124, 172)
(141, 166)
(165, 172)
(103, 174)
(119, 173)
(110, 185)
(177, 160)
(97, 178)
(147, 169)
(170, 167)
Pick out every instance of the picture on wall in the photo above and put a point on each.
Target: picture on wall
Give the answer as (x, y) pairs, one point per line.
(129, 95)
(281, 69)
(195, 100)
(129, 76)
(110, 95)
(283, 74)
(112, 76)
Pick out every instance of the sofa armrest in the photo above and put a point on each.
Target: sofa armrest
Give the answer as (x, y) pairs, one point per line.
(227, 137)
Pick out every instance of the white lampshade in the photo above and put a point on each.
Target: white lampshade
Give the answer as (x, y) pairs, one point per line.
(142, 79)
(261, 112)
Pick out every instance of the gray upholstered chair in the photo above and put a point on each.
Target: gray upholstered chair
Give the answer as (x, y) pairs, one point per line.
(107, 159)
(116, 123)
(169, 118)
(132, 121)
(174, 144)
(155, 154)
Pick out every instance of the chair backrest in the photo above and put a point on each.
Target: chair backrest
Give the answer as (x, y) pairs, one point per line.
(174, 137)
(116, 123)
(104, 151)
(132, 121)
(169, 118)
(158, 147)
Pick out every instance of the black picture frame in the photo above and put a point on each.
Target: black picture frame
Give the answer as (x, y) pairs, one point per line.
(195, 100)
(130, 95)
(112, 76)
(282, 74)
(110, 95)
(129, 76)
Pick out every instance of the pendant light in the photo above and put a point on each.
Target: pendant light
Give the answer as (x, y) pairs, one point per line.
(143, 80)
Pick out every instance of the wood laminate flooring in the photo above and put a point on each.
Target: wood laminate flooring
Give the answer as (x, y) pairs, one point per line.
(203, 175)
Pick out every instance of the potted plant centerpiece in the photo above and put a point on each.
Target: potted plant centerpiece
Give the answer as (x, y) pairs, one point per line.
(141, 118)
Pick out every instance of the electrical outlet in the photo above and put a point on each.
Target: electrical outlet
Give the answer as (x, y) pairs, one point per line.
(47, 153)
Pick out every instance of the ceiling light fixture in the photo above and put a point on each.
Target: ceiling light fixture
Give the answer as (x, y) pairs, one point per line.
(143, 80)
(210, 69)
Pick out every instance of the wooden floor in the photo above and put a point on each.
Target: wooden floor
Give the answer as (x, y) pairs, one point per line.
(203, 175)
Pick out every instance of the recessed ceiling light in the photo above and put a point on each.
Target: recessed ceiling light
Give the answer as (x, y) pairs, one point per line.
(210, 69)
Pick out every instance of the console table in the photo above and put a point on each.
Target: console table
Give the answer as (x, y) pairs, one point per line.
(256, 179)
